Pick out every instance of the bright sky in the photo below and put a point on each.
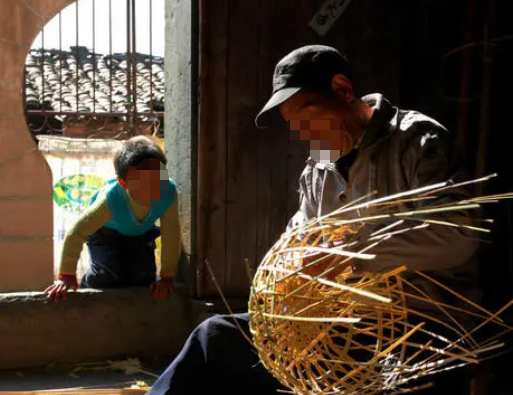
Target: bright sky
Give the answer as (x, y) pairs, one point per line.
(101, 41)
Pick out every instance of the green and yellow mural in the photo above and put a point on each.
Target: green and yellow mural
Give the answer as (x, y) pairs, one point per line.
(76, 192)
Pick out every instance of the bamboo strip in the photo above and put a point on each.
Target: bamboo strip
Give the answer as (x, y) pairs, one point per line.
(77, 391)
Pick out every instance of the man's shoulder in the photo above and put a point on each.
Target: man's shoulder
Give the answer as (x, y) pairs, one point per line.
(403, 124)
(411, 120)
(414, 127)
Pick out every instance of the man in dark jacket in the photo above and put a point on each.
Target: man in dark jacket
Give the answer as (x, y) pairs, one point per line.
(357, 146)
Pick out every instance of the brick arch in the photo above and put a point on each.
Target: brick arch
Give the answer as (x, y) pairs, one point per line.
(26, 217)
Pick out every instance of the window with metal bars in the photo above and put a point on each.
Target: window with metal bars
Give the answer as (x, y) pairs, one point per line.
(93, 71)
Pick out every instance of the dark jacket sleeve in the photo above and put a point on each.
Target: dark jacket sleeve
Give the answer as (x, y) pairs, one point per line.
(429, 157)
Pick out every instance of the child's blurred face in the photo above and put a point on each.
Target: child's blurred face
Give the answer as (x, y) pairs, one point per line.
(145, 182)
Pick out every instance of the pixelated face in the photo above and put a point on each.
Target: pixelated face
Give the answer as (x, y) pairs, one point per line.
(146, 181)
(327, 125)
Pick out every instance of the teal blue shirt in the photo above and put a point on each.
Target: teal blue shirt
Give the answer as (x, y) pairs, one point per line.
(123, 218)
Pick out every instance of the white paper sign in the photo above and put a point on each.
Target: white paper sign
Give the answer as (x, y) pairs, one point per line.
(326, 17)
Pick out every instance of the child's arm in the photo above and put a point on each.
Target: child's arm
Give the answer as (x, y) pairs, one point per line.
(93, 219)
(171, 241)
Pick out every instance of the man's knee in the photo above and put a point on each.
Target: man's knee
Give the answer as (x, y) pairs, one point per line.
(222, 328)
(218, 323)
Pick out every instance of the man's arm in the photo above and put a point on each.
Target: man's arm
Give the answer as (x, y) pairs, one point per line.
(429, 158)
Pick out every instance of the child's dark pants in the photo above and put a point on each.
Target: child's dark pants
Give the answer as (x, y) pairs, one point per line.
(120, 261)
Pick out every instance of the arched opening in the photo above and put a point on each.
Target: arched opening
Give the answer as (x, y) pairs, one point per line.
(93, 77)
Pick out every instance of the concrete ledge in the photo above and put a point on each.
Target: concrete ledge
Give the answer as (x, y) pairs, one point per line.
(92, 326)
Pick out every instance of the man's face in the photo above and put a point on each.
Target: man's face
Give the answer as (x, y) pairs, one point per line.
(328, 125)
(145, 182)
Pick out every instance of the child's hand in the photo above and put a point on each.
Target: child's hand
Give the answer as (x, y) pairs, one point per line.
(162, 288)
(57, 291)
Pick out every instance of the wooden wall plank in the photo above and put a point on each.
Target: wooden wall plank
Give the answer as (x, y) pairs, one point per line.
(298, 151)
(250, 178)
(368, 32)
(212, 143)
(241, 138)
(273, 143)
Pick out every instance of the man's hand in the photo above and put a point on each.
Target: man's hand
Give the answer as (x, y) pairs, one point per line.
(325, 263)
(162, 288)
(58, 290)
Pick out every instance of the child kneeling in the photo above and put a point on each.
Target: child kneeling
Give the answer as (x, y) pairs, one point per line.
(119, 227)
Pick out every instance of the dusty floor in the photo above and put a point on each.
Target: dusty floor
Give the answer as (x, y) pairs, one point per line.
(62, 377)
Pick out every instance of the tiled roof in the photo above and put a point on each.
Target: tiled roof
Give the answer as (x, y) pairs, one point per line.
(58, 90)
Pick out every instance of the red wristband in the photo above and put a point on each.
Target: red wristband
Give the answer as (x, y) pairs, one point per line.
(67, 277)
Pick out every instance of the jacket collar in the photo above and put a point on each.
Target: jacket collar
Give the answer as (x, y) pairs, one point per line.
(381, 121)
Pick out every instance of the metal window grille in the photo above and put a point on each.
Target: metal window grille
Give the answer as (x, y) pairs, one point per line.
(78, 92)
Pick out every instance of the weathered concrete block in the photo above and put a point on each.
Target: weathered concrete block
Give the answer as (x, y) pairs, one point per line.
(92, 326)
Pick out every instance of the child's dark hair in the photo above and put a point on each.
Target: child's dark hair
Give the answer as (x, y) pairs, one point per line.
(134, 151)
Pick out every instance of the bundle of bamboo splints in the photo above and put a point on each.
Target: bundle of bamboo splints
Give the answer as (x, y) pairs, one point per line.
(361, 333)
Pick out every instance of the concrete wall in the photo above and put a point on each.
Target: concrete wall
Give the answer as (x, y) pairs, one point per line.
(181, 116)
(26, 250)
(92, 326)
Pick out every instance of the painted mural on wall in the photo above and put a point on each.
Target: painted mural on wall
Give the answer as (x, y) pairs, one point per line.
(79, 169)
(76, 192)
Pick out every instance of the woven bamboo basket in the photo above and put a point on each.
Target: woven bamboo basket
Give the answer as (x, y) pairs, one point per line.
(333, 330)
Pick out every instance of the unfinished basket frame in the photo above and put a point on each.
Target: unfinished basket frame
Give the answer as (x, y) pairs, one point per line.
(359, 333)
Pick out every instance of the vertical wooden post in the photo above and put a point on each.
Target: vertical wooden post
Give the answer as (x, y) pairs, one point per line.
(212, 180)
(485, 130)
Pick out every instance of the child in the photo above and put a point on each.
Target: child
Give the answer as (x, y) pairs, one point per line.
(119, 227)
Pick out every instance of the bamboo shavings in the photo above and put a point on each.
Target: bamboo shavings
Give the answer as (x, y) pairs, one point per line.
(128, 366)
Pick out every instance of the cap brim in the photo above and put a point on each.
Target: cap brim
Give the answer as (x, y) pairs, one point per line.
(269, 112)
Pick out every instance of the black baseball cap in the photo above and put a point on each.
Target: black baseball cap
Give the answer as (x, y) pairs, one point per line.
(311, 68)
